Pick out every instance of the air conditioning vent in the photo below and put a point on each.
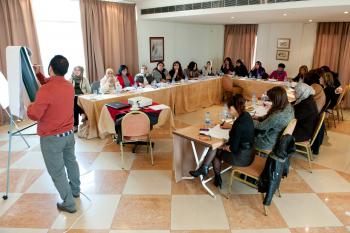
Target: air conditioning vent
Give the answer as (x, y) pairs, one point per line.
(210, 4)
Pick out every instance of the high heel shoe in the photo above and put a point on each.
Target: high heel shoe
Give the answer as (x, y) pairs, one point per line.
(203, 170)
(218, 181)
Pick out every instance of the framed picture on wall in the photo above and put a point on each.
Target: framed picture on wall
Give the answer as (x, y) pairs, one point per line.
(283, 43)
(282, 55)
(156, 49)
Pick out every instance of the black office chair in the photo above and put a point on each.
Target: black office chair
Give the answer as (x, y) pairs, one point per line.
(95, 86)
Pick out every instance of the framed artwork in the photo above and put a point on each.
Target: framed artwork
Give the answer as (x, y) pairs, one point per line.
(156, 49)
(283, 43)
(282, 55)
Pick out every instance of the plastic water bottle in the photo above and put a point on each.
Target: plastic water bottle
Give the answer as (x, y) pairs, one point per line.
(173, 80)
(186, 78)
(207, 120)
(250, 75)
(153, 84)
(254, 100)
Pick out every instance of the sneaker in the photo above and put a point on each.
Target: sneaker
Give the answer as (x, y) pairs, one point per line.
(66, 209)
(75, 128)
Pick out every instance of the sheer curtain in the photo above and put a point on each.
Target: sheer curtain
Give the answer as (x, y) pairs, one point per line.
(17, 27)
(333, 49)
(110, 37)
(240, 43)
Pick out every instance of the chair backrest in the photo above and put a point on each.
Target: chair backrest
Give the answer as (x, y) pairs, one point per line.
(95, 86)
(136, 124)
(227, 83)
(318, 127)
(290, 127)
(342, 95)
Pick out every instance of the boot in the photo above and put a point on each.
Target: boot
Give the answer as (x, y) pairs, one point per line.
(203, 170)
(218, 181)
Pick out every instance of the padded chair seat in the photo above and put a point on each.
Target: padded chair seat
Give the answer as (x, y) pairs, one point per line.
(303, 143)
(255, 169)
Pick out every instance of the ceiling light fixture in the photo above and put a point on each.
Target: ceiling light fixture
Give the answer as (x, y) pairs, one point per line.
(232, 17)
(310, 20)
(284, 14)
(346, 12)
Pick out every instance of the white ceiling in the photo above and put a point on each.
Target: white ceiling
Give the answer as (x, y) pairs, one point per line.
(316, 10)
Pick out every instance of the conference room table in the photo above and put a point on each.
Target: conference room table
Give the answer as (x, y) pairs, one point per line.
(258, 86)
(181, 97)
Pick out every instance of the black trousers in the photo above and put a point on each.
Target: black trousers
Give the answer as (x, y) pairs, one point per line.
(77, 111)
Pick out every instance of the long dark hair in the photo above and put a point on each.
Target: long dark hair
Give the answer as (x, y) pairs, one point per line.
(180, 73)
(192, 65)
(160, 62)
(238, 102)
(311, 77)
(231, 67)
(279, 99)
(121, 68)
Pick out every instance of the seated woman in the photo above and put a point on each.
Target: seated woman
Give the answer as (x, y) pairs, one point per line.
(81, 87)
(240, 69)
(124, 77)
(143, 78)
(227, 67)
(208, 69)
(279, 74)
(336, 82)
(239, 150)
(258, 70)
(109, 84)
(312, 79)
(305, 111)
(176, 72)
(301, 75)
(327, 81)
(159, 73)
(192, 70)
(269, 128)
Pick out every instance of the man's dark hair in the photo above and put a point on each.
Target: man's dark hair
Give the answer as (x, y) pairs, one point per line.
(59, 65)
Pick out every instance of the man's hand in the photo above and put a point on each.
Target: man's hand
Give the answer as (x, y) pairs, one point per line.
(226, 126)
(36, 69)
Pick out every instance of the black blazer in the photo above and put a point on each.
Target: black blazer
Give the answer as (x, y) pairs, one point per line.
(241, 71)
(306, 114)
(241, 141)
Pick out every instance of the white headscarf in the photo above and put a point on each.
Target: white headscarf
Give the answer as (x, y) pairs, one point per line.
(302, 92)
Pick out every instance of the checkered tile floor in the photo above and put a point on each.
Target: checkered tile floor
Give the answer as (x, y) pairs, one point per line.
(145, 198)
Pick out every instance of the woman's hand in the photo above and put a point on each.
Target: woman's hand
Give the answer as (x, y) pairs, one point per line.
(226, 148)
(226, 126)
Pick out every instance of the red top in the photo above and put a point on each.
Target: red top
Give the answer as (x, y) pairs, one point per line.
(278, 75)
(121, 81)
(53, 107)
(42, 79)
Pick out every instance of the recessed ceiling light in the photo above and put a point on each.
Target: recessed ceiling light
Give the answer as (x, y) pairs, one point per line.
(310, 20)
(346, 12)
(232, 17)
(284, 14)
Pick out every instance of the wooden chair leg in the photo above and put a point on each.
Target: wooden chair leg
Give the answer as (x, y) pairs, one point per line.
(151, 149)
(231, 182)
(333, 116)
(279, 193)
(122, 154)
(338, 114)
(309, 158)
(341, 111)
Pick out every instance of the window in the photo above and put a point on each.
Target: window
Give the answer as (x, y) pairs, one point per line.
(59, 31)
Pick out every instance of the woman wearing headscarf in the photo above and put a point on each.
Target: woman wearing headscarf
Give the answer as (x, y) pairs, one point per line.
(81, 87)
(305, 111)
(208, 69)
(109, 83)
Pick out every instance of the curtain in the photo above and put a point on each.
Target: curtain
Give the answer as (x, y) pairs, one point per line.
(110, 37)
(17, 27)
(333, 49)
(240, 43)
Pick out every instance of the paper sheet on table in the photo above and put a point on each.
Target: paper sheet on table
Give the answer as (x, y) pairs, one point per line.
(158, 107)
(217, 132)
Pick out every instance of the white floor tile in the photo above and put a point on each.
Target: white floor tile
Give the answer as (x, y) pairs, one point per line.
(43, 184)
(113, 161)
(92, 145)
(196, 212)
(148, 182)
(19, 145)
(305, 210)
(97, 214)
(31, 160)
(325, 181)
